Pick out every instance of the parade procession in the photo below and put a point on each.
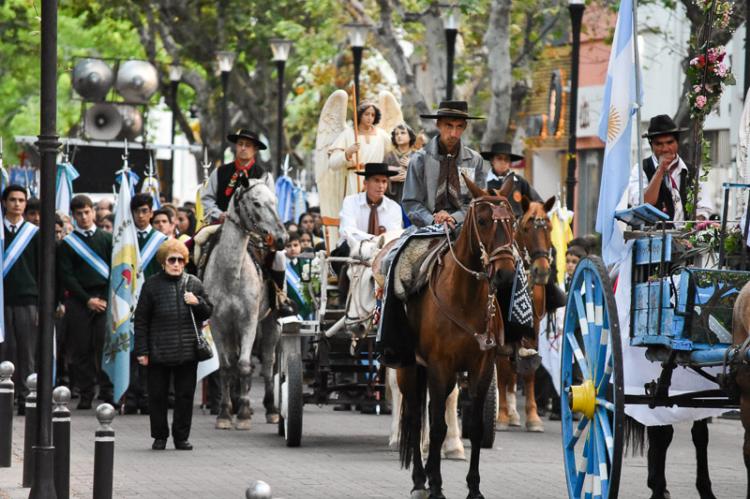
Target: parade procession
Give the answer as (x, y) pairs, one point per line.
(375, 248)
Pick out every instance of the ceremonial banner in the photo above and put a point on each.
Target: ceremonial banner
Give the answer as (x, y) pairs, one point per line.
(560, 235)
(619, 105)
(151, 186)
(66, 174)
(285, 199)
(124, 286)
(2, 293)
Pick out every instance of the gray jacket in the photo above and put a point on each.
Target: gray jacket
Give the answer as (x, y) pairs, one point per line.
(421, 182)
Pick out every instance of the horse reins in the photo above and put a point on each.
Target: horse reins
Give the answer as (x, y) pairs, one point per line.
(537, 223)
(256, 239)
(504, 251)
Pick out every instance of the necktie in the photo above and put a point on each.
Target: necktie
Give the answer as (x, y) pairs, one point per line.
(142, 234)
(12, 229)
(373, 224)
(89, 233)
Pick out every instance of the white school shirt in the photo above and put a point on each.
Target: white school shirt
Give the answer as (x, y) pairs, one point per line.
(355, 217)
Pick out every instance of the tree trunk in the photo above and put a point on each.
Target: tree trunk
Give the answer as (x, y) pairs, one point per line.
(497, 42)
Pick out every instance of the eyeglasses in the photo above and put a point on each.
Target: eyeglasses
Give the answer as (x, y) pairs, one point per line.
(175, 259)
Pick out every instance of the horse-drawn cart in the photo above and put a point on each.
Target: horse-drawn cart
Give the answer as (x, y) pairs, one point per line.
(680, 314)
(328, 359)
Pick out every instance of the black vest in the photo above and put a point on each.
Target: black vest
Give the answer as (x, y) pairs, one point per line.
(664, 201)
(224, 175)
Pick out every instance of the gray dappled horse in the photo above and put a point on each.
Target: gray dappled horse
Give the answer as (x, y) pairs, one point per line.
(235, 286)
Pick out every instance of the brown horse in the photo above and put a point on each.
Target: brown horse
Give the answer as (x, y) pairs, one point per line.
(455, 326)
(740, 334)
(534, 242)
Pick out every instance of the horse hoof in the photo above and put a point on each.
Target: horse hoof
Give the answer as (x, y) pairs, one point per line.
(455, 454)
(242, 424)
(436, 495)
(535, 426)
(502, 427)
(223, 424)
(515, 422)
(477, 495)
(393, 444)
(272, 418)
(418, 494)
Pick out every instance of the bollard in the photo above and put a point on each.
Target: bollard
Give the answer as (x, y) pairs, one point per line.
(6, 413)
(104, 452)
(61, 440)
(29, 432)
(258, 490)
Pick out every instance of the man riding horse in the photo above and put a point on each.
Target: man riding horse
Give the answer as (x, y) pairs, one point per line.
(222, 183)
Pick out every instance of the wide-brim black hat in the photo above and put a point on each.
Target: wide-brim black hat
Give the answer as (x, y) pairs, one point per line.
(244, 133)
(376, 169)
(501, 148)
(662, 125)
(452, 109)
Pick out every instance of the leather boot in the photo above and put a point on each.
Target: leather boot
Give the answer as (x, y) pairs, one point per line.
(285, 306)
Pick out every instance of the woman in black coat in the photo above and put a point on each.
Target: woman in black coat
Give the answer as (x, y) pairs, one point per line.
(165, 342)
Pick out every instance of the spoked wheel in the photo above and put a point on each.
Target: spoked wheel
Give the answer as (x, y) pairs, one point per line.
(592, 385)
(490, 413)
(291, 400)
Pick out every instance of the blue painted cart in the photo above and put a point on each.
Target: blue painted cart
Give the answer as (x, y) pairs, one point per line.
(680, 315)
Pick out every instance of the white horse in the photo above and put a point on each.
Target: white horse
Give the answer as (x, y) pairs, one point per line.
(360, 309)
(235, 286)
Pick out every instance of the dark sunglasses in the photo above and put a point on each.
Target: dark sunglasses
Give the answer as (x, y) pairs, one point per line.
(175, 259)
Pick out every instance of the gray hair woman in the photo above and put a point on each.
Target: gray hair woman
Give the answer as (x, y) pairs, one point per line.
(170, 306)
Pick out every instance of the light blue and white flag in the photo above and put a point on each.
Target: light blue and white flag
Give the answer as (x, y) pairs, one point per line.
(620, 98)
(66, 174)
(2, 292)
(285, 198)
(150, 185)
(124, 285)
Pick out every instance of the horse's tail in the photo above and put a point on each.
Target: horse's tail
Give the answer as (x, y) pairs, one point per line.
(413, 404)
(635, 436)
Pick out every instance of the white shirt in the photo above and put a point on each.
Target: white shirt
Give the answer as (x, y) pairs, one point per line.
(705, 207)
(144, 232)
(8, 224)
(355, 217)
(91, 230)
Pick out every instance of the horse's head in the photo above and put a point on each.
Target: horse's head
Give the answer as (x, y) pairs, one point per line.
(489, 222)
(254, 206)
(534, 240)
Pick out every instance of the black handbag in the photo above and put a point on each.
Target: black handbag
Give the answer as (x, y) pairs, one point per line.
(203, 350)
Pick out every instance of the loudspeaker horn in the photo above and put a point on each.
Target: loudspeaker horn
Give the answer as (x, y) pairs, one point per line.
(137, 81)
(92, 79)
(102, 122)
(132, 122)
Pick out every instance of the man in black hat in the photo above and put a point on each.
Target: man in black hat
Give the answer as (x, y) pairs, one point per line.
(224, 180)
(500, 157)
(370, 213)
(434, 191)
(668, 177)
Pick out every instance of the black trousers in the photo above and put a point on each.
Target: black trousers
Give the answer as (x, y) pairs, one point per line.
(85, 331)
(184, 376)
(21, 343)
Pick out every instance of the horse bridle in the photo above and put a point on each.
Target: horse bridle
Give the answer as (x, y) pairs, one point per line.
(504, 251)
(255, 234)
(538, 223)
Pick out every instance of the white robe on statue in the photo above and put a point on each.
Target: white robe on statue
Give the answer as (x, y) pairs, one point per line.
(372, 149)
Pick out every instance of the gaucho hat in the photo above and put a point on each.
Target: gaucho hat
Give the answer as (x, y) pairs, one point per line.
(452, 109)
(662, 125)
(244, 133)
(500, 148)
(377, 169)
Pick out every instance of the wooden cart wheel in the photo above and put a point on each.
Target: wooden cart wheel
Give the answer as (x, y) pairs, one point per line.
(592, 385)
(490, 413)
(277, 399)
(291, 390)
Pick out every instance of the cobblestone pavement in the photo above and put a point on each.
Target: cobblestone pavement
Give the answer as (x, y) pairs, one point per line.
(345, 454)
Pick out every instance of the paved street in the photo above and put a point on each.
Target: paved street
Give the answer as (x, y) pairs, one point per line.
(345, 455)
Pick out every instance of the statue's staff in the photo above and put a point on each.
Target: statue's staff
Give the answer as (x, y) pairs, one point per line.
(357, 166)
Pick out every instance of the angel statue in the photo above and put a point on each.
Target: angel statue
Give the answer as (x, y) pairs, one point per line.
(341, 150)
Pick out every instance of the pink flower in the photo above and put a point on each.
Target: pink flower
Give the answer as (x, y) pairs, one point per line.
(700, 101)
(697, 89)
(720, 70)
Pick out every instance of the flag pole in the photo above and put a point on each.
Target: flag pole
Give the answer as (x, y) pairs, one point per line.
(638, 100)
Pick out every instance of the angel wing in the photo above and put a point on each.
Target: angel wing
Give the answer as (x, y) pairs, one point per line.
(743, 166)
(390, 110)
(331, 123)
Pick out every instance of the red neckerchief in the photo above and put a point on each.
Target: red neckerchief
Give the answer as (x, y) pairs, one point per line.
(237, 170)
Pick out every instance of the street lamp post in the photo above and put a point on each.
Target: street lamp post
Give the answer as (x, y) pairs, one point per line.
(43, 484)
(357, 37)
(225, 61)
(451, 22)
(576, 8)
(175, 75)
(280, 49)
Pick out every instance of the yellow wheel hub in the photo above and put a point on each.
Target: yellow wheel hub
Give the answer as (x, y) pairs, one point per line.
(583, 398)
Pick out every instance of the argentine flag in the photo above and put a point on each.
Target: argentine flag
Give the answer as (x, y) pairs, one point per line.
(615, 129)
(124, 285)
(66, 174)
(151, 186)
